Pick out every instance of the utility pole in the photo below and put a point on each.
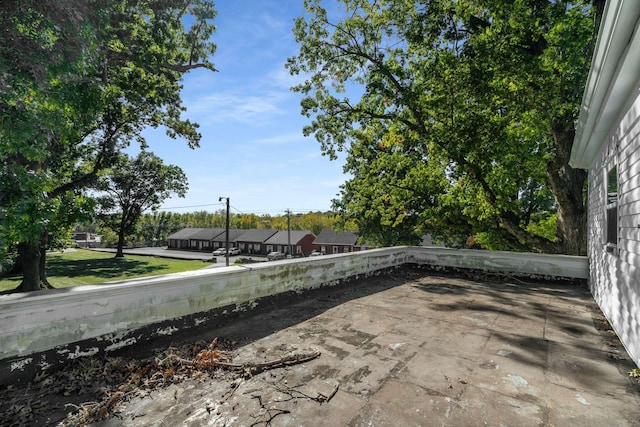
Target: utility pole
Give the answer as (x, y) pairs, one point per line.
(226, 237)
(290, 255)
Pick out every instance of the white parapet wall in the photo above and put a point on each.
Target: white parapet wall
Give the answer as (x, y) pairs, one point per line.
(514, 263)
(43, 320)
(59, 319)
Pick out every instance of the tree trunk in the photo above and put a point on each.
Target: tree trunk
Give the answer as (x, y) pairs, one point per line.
(568, 185)
(44, 282)
(29, 254)
(119, 251)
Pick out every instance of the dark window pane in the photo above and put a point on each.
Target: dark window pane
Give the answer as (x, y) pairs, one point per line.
(612, 206)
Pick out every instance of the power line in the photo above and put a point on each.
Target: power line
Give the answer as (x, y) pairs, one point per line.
(258, 212)
(192, 206)
(283, 211)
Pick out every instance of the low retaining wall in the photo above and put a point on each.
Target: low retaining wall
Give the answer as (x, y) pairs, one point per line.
(515, 263)
(48, 327)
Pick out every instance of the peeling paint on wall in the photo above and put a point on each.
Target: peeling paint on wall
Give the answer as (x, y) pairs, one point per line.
(20, 364)
(166, 331)
(120, 344)
(79, 353)
(200, 320)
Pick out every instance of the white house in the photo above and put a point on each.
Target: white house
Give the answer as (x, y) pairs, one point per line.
(607, 143)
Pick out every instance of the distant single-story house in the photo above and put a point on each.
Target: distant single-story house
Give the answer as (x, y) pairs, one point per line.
(219, 241)
(87, 240)
(181, 239)
(301, 242)
(336, 242)
(607, 144)
(202, 240)
(252, 241)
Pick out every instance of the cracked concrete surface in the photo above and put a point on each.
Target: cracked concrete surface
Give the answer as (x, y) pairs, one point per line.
(413, 349)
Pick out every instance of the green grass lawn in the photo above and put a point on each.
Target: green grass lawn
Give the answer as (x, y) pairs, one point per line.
(85, 267)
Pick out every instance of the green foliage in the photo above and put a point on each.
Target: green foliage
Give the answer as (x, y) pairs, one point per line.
(79, 81)
(109, 237)
(464, 118)
(133, 186)
(544, 227)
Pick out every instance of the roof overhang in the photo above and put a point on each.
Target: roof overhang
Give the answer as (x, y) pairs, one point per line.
(613, 79)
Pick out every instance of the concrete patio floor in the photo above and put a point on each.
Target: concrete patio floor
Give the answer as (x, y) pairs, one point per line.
(412, 349)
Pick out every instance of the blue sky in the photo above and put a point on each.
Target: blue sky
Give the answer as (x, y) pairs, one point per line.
(252, 148)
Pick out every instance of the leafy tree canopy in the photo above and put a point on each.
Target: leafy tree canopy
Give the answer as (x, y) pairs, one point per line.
(465, 120)
(79, 81)
(133, 186)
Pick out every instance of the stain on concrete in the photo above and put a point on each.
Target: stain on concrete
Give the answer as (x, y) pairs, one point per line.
(517, 380)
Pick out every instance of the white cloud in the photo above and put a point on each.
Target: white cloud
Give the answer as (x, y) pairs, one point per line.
(281, 78)
(247, 109)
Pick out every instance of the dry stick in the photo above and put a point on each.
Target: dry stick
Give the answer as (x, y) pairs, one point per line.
(268, 412)
(236, 386)
(320, 398)
(271, 417)
(93, 412)
(333, 393)
(250, 369)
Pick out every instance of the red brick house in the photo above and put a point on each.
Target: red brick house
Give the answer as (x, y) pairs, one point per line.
(336, 242)
(182, 239)
(252, 241)
(301, 242)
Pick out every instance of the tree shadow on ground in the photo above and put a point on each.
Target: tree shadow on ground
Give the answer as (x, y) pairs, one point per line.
(108, 268)
(502, 290)
(240, 328)
(105, 268)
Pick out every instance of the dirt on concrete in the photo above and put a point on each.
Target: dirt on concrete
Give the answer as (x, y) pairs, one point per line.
(409, 348)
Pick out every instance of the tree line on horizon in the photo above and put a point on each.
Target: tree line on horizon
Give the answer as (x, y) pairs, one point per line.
(153, 228)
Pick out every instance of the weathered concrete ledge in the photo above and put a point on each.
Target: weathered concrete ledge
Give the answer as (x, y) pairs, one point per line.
(515, 263)
(86, 320)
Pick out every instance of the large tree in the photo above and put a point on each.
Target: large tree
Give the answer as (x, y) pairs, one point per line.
(80, 80)
(133, 186)
(463, 120)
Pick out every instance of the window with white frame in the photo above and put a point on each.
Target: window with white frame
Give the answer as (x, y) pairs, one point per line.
(611, 229)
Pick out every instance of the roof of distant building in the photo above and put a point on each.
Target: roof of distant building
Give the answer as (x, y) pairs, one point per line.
(185, 233)
(207, 233)
(282, 237)
(256, 235)
(330, 237)
(234, 233)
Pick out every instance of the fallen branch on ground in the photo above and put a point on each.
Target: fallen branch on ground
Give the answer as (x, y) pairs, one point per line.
(297, 394)
(176, 366)
(247, 369)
